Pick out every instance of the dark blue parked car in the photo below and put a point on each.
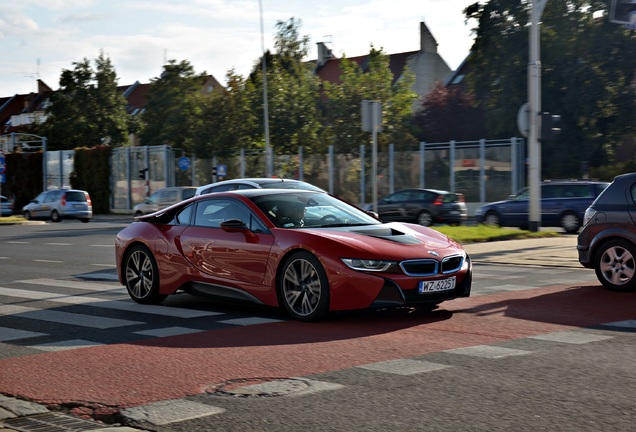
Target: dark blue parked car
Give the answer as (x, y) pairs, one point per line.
(563, 204)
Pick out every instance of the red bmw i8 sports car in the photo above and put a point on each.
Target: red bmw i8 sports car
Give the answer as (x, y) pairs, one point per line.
(306, 251)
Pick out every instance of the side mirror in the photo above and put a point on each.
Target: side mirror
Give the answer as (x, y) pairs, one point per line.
(237, 225)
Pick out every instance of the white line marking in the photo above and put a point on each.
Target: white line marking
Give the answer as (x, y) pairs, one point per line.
(170, 411)
(47, 261)
(487, 351)
(571, 337)
(404, 366)
(65, 317)
(169, 331)
(66, 345)
(128, 305)
(7, 334)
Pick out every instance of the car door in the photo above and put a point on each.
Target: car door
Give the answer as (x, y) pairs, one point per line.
(515, 210)
(227, 257)
(392, 207)
(37, 206)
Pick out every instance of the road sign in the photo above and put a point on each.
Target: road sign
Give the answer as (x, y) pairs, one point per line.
(3, 164)
(184, 163)
(2, 178)
(221, 170)
(523, 121)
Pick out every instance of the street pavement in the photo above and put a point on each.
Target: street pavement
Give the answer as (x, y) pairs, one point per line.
(557, 252)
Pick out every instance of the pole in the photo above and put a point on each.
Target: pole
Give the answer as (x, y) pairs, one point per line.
(534, 108)
(268, 155)
(374, 157)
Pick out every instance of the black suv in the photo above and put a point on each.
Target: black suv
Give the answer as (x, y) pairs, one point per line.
(607, 242)
(563, 204)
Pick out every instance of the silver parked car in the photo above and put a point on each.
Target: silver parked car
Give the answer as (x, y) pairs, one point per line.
(163, 198)
(256, 183)
(59, 204)
(7, 206)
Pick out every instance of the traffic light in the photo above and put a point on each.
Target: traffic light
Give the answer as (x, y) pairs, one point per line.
(623, 12)
(143, 173)
(550, 126)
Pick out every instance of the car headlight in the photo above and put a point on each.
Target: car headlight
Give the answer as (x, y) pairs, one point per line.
(371, 265)
(479, 211)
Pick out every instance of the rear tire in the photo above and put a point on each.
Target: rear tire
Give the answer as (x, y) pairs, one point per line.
(615, 265)
(425, 219)
(492, 219)
(55, 216)
(141, 276)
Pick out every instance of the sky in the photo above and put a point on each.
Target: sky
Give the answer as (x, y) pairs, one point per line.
(41, 38)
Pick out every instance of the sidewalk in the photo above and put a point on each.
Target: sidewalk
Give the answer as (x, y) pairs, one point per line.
(544, 252)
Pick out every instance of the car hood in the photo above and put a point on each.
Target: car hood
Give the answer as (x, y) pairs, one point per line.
(390, 238)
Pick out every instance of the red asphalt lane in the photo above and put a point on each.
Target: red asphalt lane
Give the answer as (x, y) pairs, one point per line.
(150, 370)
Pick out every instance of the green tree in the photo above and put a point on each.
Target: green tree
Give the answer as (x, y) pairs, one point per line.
(293, 93)
(443, 103)
(87, 110)
(228, 122)
(174, 109)
(375, 82)
(587, 74)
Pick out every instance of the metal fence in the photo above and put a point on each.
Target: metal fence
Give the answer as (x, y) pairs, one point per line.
(483, 170)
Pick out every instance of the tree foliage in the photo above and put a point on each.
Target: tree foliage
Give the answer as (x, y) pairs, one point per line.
(373, 82)
(173, 111)
(444, 105)
(87, 110)
(587, 70)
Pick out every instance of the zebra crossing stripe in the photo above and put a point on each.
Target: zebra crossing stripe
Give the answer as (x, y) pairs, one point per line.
(121, 305)
(81, 320)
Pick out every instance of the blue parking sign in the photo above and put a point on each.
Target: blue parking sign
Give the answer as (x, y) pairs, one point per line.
(221, 170)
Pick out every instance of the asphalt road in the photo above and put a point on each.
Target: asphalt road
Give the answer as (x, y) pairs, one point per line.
(539, 345)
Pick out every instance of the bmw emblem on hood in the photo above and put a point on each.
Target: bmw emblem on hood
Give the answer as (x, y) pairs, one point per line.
(433, 253)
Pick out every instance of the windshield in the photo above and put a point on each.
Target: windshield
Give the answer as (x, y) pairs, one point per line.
(310, 210)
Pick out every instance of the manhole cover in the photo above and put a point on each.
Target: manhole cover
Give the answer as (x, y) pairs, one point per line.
(51, 422)
(259, 387)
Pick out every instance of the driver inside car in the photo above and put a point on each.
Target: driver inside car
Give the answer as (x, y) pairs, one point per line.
(291, 215)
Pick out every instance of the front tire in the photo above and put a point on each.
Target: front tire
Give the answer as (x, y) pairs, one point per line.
(27, 215)
(141, 276)
(304, 287)
(425, 219)
(570, 222)
(615, 265)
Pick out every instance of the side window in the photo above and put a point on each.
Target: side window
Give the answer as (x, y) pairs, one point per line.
(52, 196)
(549, 191)
(188, 193)
(183, 217)
(211, 213)
(171, 196)
(524, 194)
(154, 198)
(222, 188)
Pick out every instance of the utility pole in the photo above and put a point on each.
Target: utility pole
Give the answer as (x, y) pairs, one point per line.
(534, 121)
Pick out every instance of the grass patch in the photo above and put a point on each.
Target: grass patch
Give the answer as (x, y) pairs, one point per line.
(484, 233)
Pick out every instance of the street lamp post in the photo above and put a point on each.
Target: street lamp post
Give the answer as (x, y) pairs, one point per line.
(534, 110)
(268, 155)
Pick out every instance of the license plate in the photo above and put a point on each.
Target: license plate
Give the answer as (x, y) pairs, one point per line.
(437, 285)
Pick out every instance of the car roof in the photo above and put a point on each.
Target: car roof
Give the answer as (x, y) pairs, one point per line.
(256, 182)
